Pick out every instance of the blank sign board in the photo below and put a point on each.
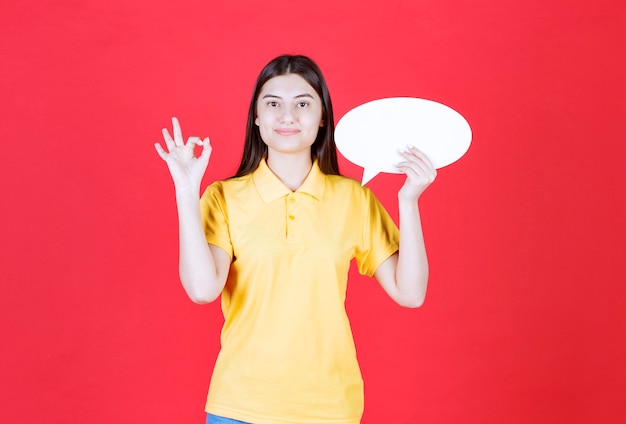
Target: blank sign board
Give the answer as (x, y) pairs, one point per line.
(370, 135)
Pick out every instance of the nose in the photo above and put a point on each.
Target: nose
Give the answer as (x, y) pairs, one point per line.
(288, 115)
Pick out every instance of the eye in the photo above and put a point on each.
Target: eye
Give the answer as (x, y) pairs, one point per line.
(303, 104)
(272, 103)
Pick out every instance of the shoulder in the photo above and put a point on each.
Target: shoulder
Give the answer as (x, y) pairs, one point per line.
(221, 187)
(341, 182)
(219, 193)
(348, 188)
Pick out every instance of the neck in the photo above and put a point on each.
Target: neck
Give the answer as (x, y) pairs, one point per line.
(292, 170)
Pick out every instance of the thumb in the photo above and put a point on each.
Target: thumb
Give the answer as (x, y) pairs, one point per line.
(206, 149)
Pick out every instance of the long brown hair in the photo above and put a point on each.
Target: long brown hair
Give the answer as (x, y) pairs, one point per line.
(323, 149)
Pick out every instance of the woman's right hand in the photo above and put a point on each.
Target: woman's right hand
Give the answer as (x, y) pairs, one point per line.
(186, 169)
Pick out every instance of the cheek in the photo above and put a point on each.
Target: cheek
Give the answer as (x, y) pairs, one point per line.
(261, 122)
(265, 118)
(265, 127)
(314, 121)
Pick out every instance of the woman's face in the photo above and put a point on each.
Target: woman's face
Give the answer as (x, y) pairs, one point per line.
(289, 114)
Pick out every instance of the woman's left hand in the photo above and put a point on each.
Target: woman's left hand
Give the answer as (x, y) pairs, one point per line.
(420, 173)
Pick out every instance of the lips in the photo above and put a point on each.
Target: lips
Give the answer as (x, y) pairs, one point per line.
(286, 132)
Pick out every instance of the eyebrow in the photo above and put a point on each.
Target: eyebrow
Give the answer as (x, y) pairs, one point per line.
(296, 97)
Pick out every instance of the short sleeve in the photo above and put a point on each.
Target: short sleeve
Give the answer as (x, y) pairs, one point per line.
(380, 235)
(215, 218)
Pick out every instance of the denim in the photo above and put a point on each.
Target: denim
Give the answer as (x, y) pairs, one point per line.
(214, 419)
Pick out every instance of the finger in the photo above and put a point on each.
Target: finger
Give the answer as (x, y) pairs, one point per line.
(411, 175)
(422, 179)
(418, 166)
(192, 142)
(418, 158)
(423, 156)
(408, 171)
(206, 149)
(178, 134)
(168, 139)
(417, 170)
(408, 154)
(160, 151)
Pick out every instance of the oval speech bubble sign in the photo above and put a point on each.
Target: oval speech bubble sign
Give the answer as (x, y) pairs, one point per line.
(370, 135)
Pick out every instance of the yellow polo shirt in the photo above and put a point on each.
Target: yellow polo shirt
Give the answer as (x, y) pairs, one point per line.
(287, 351)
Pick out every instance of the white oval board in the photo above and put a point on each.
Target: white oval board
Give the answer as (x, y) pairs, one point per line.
(370, 135)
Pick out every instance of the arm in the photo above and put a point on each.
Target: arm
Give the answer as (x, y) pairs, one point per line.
(404, 275)
(203, 268)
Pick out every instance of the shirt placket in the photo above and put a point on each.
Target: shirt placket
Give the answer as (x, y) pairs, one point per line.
(291, 216)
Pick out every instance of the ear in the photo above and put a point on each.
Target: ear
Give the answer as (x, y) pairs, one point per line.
(256, 121)
(322, 123)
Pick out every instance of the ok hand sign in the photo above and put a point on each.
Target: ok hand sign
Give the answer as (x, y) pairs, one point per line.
(186, 169)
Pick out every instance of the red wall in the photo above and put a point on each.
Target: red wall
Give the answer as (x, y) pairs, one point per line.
(524, 319)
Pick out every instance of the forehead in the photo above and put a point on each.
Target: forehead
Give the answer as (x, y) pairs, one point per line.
(290, 85)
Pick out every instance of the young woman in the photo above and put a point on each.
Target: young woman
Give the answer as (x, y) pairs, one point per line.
(276, 242)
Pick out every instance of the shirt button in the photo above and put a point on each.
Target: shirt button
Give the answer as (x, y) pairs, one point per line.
(292, 199)
(291, 217)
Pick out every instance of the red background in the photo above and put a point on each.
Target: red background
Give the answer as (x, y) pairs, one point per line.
(524, 320)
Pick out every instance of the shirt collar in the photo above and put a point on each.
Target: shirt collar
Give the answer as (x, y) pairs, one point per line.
(271, 188)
